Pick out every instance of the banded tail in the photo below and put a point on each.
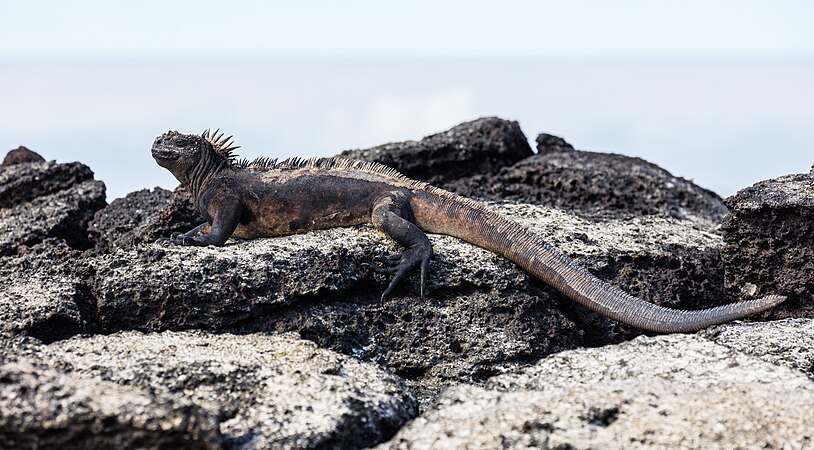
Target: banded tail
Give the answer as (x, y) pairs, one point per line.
(439, 211)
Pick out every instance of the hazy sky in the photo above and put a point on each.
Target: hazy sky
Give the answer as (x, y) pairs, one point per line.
(717, 91)
(417, 28)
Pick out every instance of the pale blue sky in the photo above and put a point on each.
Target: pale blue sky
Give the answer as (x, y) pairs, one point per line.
(418, 28)
(717, 91)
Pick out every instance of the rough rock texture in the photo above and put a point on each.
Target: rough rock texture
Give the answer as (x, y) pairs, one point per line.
(320, 285)
(24, 182)
(549, 143)
(42, 200)
(649, 233)
(45, 408)
(21, 155)
(39, 299)
(600, 184)
(675, 391)
(788, 342)
(769, 242)
(259, 391)
(479, 146)
(143, 216)
(46, 306)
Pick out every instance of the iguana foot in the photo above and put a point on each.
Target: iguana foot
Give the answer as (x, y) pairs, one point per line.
(401, 265)
(176, 238)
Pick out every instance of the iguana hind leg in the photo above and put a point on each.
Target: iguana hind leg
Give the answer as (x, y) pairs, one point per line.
(392, 215)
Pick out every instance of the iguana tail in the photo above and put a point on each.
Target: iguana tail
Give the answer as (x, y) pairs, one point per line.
(438, 211)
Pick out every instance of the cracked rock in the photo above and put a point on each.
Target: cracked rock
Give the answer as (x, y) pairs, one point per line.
(47, 200)
(769, 243)
(244, 391)
(480, 146)
(675, 391)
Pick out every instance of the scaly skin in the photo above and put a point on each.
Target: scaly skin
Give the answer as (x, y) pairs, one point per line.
(268, 198)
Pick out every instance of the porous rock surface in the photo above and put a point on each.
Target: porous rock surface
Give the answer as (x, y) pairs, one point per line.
(676, 391)
(599, 184)
(143, 216)
(320, 284)
(251, 391)
(22, 155)
(490, 159)
(479, 146)
(46, 306)
(481, 316)
(769, 242)
(45, 200)
(46, 408)
(786, 342)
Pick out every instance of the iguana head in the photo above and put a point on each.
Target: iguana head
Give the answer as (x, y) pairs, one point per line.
(181, 153)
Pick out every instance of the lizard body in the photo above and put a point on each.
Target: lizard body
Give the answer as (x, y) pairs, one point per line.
(269, 198)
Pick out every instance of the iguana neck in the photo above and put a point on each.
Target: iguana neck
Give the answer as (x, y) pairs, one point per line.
(199, 175)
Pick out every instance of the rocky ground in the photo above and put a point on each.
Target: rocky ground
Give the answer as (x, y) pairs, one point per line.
(108, 339)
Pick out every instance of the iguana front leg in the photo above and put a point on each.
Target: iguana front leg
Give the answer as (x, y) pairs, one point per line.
(226, 219)
(392, 215)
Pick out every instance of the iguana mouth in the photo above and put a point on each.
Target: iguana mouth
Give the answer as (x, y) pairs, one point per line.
(164, 153)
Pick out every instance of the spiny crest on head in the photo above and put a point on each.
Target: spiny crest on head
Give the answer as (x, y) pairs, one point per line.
(223, 146)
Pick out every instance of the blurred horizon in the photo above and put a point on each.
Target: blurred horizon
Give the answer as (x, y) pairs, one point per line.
(719, 93)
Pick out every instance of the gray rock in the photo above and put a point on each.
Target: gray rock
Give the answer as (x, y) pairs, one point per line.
(64, 214)
(22, 183)
(480, 146)
(265, 391)
(143, 216)
(769, 243)
(43, 408)
(318, 284)
(45, 306)
(42, 200)
(21, 155)
(481, 315)
(547, 143)
(788, 342)
(597, 184)
(490, 159)
(674, 391)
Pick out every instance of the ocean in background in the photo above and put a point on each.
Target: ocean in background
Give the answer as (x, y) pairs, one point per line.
(724, 124)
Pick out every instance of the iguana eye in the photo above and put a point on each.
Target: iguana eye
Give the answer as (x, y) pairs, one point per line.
(182, 142)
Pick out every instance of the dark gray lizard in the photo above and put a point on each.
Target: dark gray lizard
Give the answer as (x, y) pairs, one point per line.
(266, 198)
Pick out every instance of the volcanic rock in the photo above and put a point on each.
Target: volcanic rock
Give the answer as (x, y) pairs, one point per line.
(21, 155)
(674, 391)
(480, 146)
(769, 243)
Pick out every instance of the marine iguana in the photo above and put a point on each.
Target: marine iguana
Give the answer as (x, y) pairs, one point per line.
(267, 197)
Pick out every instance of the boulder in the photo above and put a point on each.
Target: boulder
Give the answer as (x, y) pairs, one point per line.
(143, 216)
(548, 143)
(597, 184)
(45, 306)
(22, 183)
(21, 155)
(675, 391)
(320, 285)
(480, 146)
(769, 243)
(47, 200)
(44, 408)
(786, 342)
(199, 390)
